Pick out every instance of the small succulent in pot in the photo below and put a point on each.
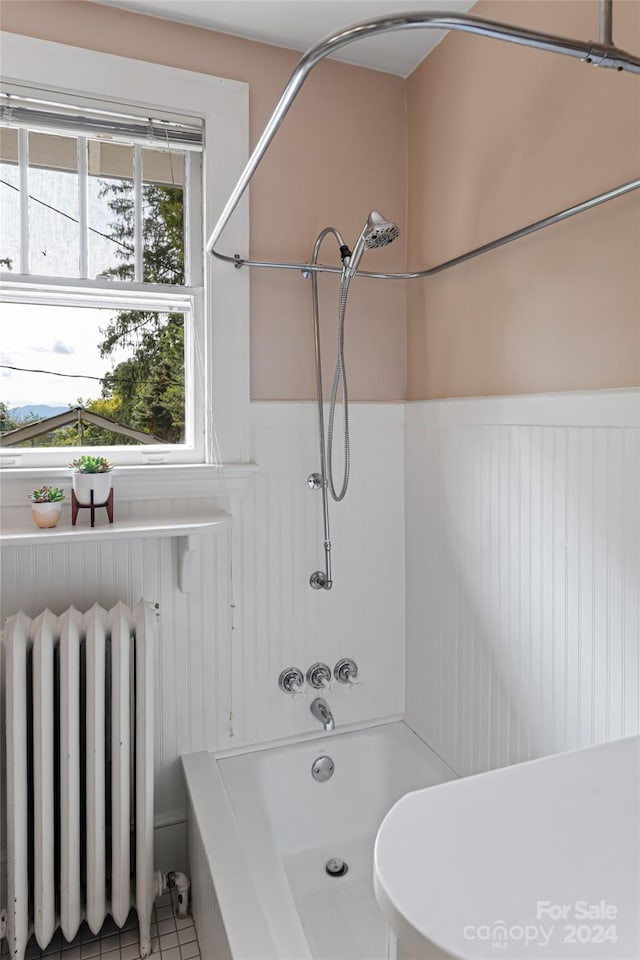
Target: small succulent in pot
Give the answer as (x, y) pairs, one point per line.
(46, 506)
(88, 464)
(47, 494)
(91, 474)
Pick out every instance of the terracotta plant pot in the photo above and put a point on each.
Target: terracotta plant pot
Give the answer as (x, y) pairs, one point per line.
(46, 514)
(84, 483)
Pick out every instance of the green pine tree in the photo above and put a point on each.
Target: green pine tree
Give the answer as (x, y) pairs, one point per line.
(149, 385)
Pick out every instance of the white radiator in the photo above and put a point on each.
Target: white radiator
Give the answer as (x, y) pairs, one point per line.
(78, 696)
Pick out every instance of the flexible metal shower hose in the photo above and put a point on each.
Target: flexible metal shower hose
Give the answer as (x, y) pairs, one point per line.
(339, 378)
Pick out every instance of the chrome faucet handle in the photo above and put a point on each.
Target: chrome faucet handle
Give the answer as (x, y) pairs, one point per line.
(291, 680)
(346, 671)
(319, 676)
(353, 682)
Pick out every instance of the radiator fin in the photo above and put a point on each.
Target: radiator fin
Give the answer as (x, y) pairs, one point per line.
(144, 625)
(16, 642)
(70, 831)
(120, 630)
(96, 633)
(44, 879)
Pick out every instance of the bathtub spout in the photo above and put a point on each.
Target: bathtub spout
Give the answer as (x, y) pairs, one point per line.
(322, 712)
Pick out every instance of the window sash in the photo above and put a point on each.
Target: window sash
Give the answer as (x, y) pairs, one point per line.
(192, 207)
(191, 305)
(93, 293)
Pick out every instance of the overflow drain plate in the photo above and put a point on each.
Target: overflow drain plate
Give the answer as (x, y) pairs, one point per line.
(336, 867)
(322, 769)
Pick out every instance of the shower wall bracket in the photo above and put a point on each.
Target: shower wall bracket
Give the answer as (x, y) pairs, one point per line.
(319, 580)
(189, 563)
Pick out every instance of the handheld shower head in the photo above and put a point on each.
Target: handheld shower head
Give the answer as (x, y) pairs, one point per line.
(377, 232)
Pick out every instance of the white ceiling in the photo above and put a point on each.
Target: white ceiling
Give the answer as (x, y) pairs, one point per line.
(299, 24)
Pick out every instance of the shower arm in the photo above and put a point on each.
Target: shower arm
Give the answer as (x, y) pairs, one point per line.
(603, 54)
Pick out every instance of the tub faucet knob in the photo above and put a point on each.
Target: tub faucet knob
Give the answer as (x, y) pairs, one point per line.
(291, 680)
(319, 676)
(346, 671)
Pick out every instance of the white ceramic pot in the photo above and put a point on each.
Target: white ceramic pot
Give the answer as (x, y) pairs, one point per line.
(46, 514)
(84, 483)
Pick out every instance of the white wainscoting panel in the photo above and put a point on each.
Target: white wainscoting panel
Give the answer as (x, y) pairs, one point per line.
(222, 647)
(523, 578)
(522, 583)
(282, 621)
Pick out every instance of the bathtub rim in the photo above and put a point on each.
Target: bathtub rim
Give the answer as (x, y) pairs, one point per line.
(310, 735)
(246, 925)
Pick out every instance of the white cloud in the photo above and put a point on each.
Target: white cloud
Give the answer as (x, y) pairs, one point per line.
(58, 347)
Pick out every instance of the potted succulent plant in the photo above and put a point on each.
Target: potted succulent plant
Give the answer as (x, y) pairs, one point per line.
(46, 506)
(91, 473)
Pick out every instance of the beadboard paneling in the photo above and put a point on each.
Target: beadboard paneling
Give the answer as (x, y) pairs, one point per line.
(522, 539)
(279, 543)
(521, 588)
(222, 647)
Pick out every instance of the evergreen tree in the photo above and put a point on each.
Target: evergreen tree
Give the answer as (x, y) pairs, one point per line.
(149, 385)
(7, 422)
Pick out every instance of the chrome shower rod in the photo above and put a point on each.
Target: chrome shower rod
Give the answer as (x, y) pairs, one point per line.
(308, 268)
(602, 54)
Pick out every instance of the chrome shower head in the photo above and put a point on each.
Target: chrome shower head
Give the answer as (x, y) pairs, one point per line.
(377, 232)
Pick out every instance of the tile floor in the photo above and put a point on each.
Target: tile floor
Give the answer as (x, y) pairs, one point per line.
(172, 939)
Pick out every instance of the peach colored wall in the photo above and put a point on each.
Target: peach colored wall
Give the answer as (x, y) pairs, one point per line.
(500, 136)
(318, 171)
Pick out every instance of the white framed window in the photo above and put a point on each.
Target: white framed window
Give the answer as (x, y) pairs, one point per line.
(112, 199)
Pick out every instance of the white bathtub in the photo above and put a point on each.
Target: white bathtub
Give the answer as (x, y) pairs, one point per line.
(261, 830)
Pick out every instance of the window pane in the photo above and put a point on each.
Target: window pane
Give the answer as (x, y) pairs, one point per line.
(9, 201)
(163, 216)
(53, 209)
(54, 239)
(126, 367)
(110, 210)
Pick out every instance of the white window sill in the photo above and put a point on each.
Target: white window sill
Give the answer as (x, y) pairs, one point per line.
(143, 482)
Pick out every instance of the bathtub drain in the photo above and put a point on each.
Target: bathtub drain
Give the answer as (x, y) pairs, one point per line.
(336, 867)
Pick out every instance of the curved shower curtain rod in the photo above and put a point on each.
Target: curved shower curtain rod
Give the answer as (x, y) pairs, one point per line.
(601, 54)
